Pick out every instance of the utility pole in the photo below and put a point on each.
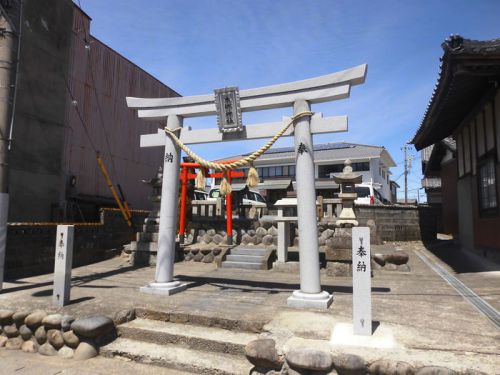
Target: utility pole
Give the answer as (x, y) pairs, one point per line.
(10, 15)
(407, 166)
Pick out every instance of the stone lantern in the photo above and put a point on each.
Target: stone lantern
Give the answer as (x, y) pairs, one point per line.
(347, 181)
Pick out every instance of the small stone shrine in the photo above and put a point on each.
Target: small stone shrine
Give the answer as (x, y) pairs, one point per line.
(339, 256)
(143, 251)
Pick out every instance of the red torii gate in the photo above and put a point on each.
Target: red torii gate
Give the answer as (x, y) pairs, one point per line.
(185, 176)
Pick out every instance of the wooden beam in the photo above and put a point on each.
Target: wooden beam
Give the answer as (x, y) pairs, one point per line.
(319, 125)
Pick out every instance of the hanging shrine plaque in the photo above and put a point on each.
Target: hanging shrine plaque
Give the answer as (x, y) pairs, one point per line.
(227, 102)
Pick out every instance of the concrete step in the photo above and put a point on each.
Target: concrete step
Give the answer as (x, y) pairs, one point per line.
(245, 258)
(244, 265)
(248, 251)
(144, 246)
(240, 325)
(177, 357)
(210, 339)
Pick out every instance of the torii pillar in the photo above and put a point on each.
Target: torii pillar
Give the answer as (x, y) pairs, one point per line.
(300, 95)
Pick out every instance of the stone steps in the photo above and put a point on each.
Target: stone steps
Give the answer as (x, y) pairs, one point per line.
(244, 265)
(196, 337)
(245, 258)
(177, 357)
(249, 258)
(197, 344)
(240, 250)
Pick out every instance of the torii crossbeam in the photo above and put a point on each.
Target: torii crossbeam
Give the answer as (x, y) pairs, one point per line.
(300, 95)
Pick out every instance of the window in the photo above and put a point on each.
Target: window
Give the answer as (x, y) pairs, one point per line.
(359, 167)
(487, 185)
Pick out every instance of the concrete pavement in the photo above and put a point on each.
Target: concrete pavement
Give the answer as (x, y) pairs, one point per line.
(429, 321)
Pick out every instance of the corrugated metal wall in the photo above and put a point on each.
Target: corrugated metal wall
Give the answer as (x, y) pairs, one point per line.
(100, 79)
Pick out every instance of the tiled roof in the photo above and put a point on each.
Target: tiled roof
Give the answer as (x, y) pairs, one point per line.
(467, 69)
(328, 151)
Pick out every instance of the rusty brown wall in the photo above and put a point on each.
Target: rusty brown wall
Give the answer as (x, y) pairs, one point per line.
(100, 79)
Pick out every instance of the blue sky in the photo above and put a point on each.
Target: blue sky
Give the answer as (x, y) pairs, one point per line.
(195, 46)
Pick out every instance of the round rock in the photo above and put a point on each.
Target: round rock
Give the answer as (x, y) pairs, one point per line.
(397, 258)
(19, 317)
(309, 359)
(198, 257)
(85, 351)
(404, 268)
(14, 343)
(379, 259)
(71, 340)
(11, 330)
(41, 335)
(25, 332)
(66, 322)
(65, 352)
(6, 316)
(34, 320)
(55, 338)
(385, 367)
(262, 353)
(29, 347)
(260, 231)
(52, 321)
(390, 267)
(435, 370)
(350, 364)
(267, 240)
(272, 231)
(93, 327)
(217, 239)
(209, 258)
(47, 349)
(124, 316)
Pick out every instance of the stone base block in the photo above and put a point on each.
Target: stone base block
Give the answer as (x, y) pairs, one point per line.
(143, 258)
(343, 335)
(302, 300)
(164, 289)
(286, 266)
(339, 269)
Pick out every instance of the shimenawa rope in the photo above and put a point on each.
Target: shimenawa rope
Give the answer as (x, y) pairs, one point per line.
(246, 161)
(239, 163)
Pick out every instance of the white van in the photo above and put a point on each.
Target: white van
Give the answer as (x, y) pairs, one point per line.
(250, 197)
(367, 194)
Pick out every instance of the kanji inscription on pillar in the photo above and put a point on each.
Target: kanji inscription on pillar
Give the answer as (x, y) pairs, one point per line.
(361, 281)
(62, 265)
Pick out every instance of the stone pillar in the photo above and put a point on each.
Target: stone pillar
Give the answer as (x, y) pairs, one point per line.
(310, 294)
(361, 282)
(164, 277)
(63, 263)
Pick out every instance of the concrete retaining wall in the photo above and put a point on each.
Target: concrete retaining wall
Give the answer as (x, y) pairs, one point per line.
(31, 246)
(400, 223)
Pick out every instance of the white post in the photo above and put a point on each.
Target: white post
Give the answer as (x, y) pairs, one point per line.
(62, 265)
(310, 294)
(164, 278)
(283, 237)
(361, 282)
(4, 209)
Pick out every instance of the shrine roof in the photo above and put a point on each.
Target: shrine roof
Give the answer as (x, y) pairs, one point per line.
(469, 72)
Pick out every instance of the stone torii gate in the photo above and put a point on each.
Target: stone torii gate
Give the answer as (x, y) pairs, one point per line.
(228, 105)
